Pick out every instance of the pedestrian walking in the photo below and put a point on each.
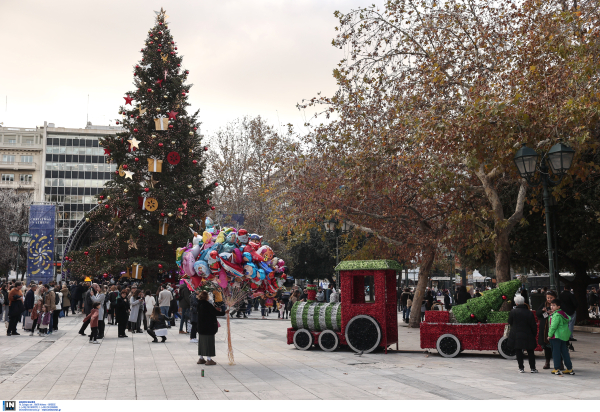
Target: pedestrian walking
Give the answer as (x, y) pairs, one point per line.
(522, 333)
(35, 315)
(15, 309)
(135, 303)
(50, 300)
(149, 304)
(44, 319)
(158, 326)
(164, 300)
(543, 313)
(184, 304)
(66, 299)
(121, 315)
(559, 334)
(92, 319)
(208, 326)
(58, 297)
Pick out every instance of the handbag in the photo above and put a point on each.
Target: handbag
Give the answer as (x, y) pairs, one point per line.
(61, 314)
(28, 325)
(506, 331)
(408, 302)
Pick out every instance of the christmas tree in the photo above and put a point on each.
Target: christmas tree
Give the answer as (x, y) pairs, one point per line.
(158, 195)
(485, 307)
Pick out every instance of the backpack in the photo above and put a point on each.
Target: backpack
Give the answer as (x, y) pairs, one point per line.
(56, 299)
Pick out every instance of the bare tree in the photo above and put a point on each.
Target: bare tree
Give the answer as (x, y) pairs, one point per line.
(14, 212)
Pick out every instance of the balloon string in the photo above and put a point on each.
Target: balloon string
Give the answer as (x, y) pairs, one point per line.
(229, 346)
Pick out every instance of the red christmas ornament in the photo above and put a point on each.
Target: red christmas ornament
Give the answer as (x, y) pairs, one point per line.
(135, 130)
(175, 48)
(212, 208)
(178, 65)
(159, 266)
(173, 158)
(180, 210)
(472, 316)
(142, 50)
(86, 253)
(159, 50)
(208, 201)
(101, 197)
(117, 122)
(160, 145)
(194, 161)
(106, 206)
(146, 190)
(216, 184)
(124, 166)
(149, 90)
(172, 114)
(195, 128)
(160, 32)
(137, 159)
(173, 52)
(137, 67)
(128, 100)
(151, 42)
(131, 116)
(137, 117)
(183, 93)
(162, 215)
(170, 126)
(205, 148)
(135, 74)
(116, 172)
(503, 297)
(172, 42)
(105, 275)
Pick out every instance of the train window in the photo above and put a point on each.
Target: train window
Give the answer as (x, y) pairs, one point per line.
(369, 289)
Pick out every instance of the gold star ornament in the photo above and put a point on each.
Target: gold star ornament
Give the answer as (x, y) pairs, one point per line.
(135, 143)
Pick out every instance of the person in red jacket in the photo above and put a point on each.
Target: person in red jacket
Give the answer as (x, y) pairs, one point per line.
(93, 318)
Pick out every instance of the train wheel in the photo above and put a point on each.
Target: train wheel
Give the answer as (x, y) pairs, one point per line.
(363, 334)
(303, 339)
(448, 345)
(504, 350)
(329, 341)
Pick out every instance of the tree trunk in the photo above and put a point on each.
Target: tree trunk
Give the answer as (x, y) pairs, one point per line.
(579, 285)
(502, 255)
(424, 273)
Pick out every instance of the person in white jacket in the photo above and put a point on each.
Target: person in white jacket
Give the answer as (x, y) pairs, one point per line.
(150, 304)
(58, 294)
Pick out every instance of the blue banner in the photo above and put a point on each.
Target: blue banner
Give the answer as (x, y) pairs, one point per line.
(40, 256)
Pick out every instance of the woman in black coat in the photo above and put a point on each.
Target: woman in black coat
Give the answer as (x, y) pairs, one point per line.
(543, 314)
(208, 327)
(462, 296)
(522, 333)
(121, 315)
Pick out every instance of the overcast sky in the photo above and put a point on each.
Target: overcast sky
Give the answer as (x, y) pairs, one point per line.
(245, 57)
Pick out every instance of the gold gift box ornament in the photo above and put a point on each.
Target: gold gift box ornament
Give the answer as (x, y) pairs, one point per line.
(163, 227)
(136, 271)
(161, 123)
(155, 165)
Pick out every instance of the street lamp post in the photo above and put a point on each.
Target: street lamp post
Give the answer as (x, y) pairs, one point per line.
(558, 159)
(333, 226)
(20, 240)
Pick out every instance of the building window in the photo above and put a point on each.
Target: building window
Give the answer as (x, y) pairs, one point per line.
(26, 178)
(6, 177)
(27, 159)
(8, 158)
(12, 141)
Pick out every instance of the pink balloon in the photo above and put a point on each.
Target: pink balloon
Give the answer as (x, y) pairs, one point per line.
(222, 278)
(188, 264)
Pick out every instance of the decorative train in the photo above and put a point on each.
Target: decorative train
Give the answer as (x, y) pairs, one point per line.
(362, 324)
(367, 324)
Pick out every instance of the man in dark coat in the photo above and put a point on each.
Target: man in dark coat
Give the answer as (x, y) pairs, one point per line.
(522, 333)
(184, 304)
(75, 297)
(568, 303)
(16, 308)
(447, 302)
(462, 296)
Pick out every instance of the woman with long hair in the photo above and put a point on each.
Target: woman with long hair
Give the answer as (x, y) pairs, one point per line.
(208, 326)
(158, 325)
(135, 304)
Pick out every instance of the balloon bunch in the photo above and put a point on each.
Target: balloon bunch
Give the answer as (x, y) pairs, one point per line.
(231, 258)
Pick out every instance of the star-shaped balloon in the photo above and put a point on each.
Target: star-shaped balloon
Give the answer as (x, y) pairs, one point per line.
(135, 143)
(128, 174)
(107, 152)
(128, 100)
(172, 114)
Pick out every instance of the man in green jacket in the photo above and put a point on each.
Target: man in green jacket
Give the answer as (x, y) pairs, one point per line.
(559, 335)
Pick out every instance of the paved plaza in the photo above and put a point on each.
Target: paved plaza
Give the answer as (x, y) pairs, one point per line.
(64, 366)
